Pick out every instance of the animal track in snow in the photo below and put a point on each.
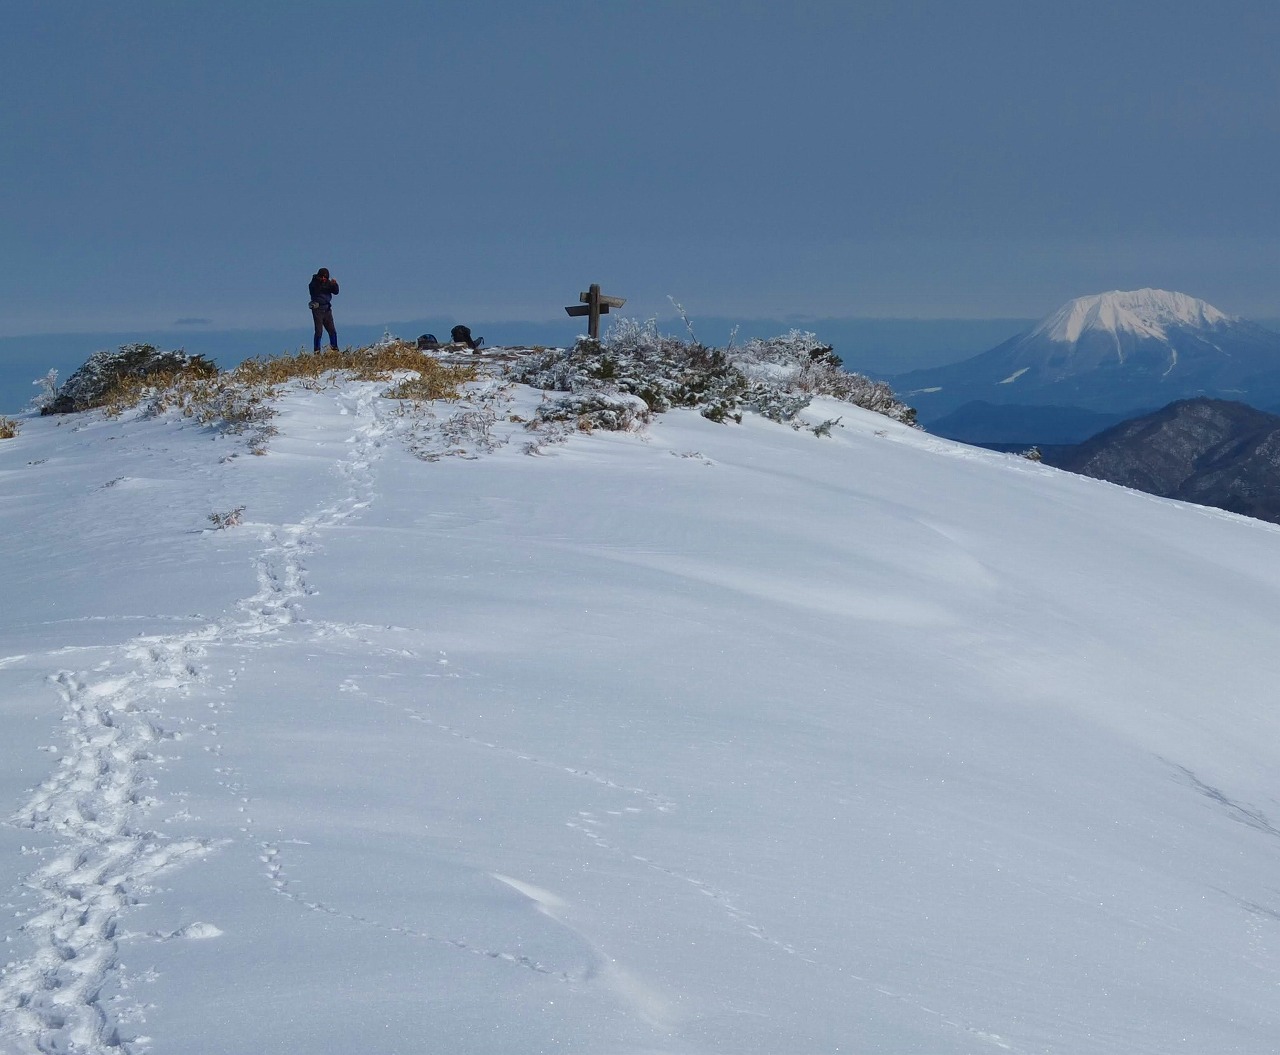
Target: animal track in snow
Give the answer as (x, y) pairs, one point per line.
(272, 860)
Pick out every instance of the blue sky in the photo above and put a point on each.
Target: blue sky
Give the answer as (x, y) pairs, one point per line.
(487, 160)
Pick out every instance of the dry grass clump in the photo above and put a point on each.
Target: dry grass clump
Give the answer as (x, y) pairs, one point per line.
(116, 378)
(128, 392)
(241, 399)
(429, 378)
(433, 380)
(190, 389)
(374, 363)
(8, 428)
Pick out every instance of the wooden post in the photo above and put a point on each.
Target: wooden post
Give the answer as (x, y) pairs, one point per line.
(593, 305)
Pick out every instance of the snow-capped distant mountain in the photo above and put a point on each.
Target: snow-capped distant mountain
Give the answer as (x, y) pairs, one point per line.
(1145, 312)
(1116, 352)
(1149, 334)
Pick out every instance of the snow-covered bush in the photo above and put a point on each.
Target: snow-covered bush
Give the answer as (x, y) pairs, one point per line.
(587, 411)
(635, 359)
(231, 518)
(775, 378)
(8, 428)
(800, 362)
(48, 386)
(123, 376)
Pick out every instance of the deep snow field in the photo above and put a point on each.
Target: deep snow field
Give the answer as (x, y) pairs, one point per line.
(711, 740)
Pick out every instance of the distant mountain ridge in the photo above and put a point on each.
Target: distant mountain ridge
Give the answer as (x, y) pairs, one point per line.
(989, 424)
(1116, 352)
(1209, 451)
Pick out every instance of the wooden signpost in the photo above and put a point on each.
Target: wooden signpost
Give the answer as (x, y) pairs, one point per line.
(593, 306)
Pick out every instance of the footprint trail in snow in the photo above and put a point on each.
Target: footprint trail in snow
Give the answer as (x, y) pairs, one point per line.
(96, 805)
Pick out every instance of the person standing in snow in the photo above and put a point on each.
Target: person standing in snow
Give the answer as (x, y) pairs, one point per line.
(323, 289)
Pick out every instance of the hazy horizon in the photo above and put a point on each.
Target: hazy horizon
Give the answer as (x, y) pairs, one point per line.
(867, 345)
(489, 160)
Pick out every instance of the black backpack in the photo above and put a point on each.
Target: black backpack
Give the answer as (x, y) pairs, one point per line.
(428, 342)
(462, 335)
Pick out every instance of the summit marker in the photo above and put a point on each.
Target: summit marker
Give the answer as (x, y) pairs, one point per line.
(594, 304)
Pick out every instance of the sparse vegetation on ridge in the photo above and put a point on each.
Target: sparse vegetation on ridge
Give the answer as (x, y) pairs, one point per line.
(111, 378)
(799, 362)
(8, 428)
(615, 384)
(241, 400)
(775, 378)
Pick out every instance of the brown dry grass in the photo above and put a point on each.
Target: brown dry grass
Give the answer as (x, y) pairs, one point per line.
(241, 398)
(434, 382)
(374, 363)
(128, 392)
(8, 428)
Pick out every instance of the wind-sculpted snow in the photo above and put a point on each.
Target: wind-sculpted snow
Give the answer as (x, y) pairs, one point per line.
(698, 739)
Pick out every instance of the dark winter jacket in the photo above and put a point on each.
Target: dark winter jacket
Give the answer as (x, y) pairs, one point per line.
(322, 290)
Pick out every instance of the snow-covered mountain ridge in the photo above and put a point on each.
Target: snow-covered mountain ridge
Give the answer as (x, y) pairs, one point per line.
(1112, 352)
(704, 738)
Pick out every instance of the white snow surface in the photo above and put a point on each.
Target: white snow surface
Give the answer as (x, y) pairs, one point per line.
(715, 739)
(1143, 312)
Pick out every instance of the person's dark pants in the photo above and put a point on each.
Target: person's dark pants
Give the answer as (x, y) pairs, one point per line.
(324, 321)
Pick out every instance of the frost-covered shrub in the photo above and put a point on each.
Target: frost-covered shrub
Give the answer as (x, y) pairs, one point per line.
(775, 378)
(635, 359)
(773, 401)
(870, 395)
(800, 362)
(588, 411)
(781, 359)
(48, 386)
(130, 369)
(231, 518)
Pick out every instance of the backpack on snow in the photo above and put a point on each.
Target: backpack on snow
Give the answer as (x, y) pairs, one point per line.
(462, 335)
